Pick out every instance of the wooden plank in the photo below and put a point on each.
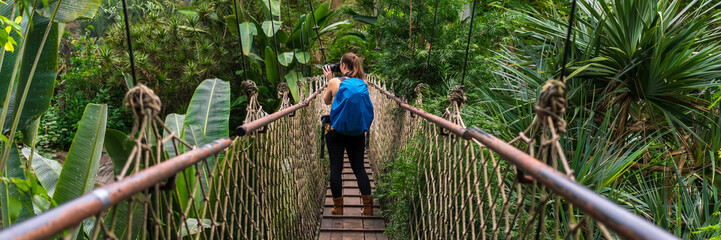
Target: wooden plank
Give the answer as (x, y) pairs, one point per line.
(352, 235)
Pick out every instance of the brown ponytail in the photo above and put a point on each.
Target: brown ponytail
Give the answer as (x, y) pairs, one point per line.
(354, 65)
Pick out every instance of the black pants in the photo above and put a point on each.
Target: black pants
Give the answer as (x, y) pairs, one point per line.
(355, 146)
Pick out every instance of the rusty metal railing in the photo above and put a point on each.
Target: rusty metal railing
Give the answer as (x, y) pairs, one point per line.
(465, 192)
(259, 186)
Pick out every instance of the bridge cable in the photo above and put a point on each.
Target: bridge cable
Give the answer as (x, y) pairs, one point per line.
(317, 34)
(290, 21)
(468, 45)
(240, 39)
(130, 43)
(567, 47)
(433, 33)
(275, 40)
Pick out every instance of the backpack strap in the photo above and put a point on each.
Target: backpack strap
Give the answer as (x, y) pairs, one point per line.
(342, 78)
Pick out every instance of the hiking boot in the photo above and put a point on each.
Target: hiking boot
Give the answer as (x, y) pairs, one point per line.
(367, 204)
(337, 206)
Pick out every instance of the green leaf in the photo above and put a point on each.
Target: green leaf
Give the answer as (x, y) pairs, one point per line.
(174, 122)
(302, 57)
(207, 119)
(271, 65)
(119, 146)
(292, 79)
(30, 133)
(121, 224)
(43, 82)
(247, 32)
(78, 175)
(195, 226)
(193, 135)
(285, 58)
(47, 170)
(9, 190)
(71, 10)
(335, 26)
(271, 27)
(274, 7)
(209, 109)
(321, 13)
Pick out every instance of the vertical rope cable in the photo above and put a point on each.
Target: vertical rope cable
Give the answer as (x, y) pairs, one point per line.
(468, 45)
(240, 40)
(433, 33)
(130, 42)
(567, 45)
(317, 34)
(275, 40)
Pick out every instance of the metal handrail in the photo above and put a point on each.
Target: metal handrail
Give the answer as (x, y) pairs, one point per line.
(625, 223)
(72, 213)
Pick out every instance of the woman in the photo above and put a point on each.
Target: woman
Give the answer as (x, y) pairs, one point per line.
(348, 114)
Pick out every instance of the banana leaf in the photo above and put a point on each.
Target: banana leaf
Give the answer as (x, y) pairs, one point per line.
(292, 79)
(175, 123)
(119, 146)
(271, 65)
(43, 81)
(78, 175)
(15, 205)
(71, 10)
(46, 170)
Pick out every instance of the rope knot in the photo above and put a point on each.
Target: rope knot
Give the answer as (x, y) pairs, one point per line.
(249, 88)
(458, 95)
(552, 103)
(283, 90)
(142, 101)
(419, 88)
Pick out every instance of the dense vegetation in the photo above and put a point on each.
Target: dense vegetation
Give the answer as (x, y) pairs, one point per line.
(643, 115)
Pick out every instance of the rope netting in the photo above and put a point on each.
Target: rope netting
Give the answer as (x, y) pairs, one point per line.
(468, 191)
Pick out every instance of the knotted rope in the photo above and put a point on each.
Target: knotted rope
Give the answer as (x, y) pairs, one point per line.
(458, 95)
(283, 91)
(254, 110)
(552, 103)
(419, 92)
(144, 104)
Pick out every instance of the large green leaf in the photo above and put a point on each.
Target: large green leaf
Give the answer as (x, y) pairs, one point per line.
(271, 64)
(247, 32)
(193, 135)
(336, 26)
(274, 6)
(209, 109)
(292, 79)
(285, 58)
(15, 205)
(302, 57)
(43, 82)
(119, 147)
(47, 170)
(121, 224)
(174, 122)
(271, 27)
(70, 10)
(207, 119)
(78, 175)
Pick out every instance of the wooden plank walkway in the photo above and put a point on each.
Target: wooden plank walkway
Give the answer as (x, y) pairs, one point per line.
(351, 225)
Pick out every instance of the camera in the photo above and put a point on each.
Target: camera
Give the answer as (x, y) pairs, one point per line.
(334, 67)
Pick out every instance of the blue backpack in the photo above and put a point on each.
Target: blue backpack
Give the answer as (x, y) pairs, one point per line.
(352, 110)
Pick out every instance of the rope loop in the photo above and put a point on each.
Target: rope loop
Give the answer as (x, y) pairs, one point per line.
(143, 102)
(552, 103)
(249, 88)
(458, 95)
(283, 90)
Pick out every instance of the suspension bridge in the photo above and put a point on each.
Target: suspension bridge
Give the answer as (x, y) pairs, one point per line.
(270, 182)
